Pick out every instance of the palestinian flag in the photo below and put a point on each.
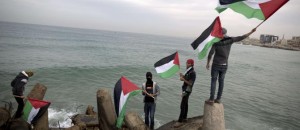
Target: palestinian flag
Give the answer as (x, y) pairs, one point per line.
(260, 9)
(210, 36)
(168, 66)
(223, 4)
(34, 109)
(124, 89)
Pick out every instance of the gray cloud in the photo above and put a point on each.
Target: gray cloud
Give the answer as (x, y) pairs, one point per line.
(186, 18)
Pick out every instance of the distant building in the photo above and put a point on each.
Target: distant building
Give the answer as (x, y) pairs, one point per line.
(283, 42)
(296, 38)
(265, 38)
(294, 42)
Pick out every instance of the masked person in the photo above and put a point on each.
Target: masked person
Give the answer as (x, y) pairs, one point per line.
(150, 92)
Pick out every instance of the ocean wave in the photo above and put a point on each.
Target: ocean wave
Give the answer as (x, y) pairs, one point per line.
(60, 118)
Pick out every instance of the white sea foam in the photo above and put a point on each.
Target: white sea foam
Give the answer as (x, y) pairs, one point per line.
(60, 118)
(157, 123)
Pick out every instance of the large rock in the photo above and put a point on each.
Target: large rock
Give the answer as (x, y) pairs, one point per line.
(19, 124)
(134, 122)
(38, 92)
(90, 110)
(106, 111)
(87, 120)
(4, 117)
(213, 118)
(194, 123)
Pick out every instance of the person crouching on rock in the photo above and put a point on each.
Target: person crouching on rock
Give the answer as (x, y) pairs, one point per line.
(18, 87)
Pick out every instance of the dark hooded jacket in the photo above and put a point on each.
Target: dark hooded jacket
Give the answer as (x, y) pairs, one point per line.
(18, 84)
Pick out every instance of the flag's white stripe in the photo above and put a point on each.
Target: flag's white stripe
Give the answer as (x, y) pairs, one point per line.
(202, 45)
(32, 114)
(252, 5)
(165, 67)
(258, 1)
(123, 99)
(255, 4)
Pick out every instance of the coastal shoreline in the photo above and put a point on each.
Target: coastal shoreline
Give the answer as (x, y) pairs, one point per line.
(277, 45)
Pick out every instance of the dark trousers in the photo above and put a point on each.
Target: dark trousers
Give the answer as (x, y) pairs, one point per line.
(184, 106)
(217, 72)
(149, 109)
(20, 107)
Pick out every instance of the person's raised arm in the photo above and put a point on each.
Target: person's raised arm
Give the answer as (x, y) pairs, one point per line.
(248, 34)
(240, 38)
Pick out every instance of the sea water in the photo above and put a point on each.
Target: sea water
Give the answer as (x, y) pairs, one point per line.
(261, 85)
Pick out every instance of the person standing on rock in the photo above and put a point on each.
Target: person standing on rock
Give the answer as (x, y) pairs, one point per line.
(18, 87)
(221, 51)
(188, 79)
(150, 91)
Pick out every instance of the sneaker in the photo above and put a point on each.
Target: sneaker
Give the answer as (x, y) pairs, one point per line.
(210, 102)
(217, 100)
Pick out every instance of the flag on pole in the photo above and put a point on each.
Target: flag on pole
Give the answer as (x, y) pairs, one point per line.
(260, 9)
(34, 109)
(167, 66)
(124, 89)
(210, 36)
(224, 4)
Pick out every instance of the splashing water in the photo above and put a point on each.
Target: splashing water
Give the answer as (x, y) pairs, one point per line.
(60, 118)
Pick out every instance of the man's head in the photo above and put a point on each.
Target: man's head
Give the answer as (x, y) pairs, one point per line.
(29, 73)
(148, 75)
(189, 63)
(224, 31)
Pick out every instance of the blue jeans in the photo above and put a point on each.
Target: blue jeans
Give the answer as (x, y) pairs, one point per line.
(217, 72)
(149, 110)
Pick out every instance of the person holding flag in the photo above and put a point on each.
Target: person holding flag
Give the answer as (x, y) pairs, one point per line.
(150, 90)
(18, 87)
(188, 79)
(221, 51)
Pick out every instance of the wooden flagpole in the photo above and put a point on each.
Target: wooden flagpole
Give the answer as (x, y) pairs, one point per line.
(260, 24)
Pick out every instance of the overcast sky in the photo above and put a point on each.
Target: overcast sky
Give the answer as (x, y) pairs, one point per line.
(184, 18)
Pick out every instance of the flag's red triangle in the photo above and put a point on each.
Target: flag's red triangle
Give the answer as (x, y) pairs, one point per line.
(270, 7)
(217, 29)
(128, 86)
(37, 103)
(176, 59)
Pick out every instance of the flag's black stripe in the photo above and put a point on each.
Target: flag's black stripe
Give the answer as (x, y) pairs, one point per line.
(165, 60)
(117, 95)
(226, 2)
(40, 113)
(203, 36)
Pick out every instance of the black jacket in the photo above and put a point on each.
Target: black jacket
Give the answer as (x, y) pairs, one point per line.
(19, 83)
(222, 48)
(189, 76)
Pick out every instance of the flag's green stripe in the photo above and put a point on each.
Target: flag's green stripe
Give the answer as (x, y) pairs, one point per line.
(220, 9)
(169, 72)
(165, 67)
(203, 53)
(247, 11)
(27, 109)
(122, 114)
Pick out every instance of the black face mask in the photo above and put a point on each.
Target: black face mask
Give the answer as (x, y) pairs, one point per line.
(149, 80)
